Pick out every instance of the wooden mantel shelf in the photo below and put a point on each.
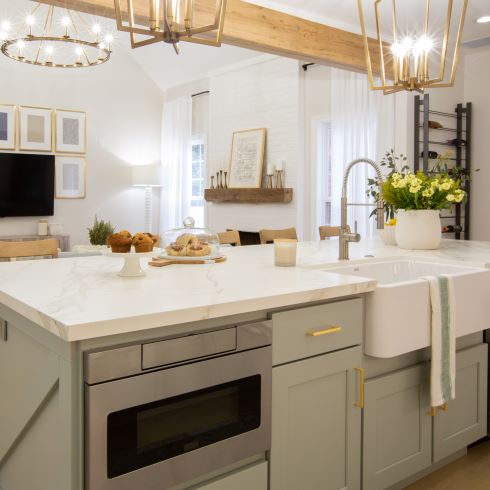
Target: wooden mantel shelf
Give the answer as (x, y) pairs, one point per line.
(249, 195)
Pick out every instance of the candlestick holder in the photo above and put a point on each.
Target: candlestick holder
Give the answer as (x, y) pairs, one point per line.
(212, 182)
(226, 180)
(269, 181)
(221, 179)
(279, 179)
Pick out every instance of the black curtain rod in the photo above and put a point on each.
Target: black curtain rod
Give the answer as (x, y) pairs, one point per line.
(306, 65)
(200, 93)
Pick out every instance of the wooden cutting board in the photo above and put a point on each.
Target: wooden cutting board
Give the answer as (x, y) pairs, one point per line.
(157, 262)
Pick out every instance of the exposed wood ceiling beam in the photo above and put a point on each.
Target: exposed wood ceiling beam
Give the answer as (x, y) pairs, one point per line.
(253, 27)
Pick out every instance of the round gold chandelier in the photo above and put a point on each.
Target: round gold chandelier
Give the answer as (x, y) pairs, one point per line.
(55, 37)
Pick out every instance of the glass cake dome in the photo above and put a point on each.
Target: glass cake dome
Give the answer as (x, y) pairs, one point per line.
(189, 242)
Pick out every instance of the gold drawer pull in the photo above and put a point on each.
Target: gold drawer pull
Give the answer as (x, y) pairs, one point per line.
(318, 333)
(360, 403)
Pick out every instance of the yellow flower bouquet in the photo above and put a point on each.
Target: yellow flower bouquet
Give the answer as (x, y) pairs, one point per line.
(412, 191)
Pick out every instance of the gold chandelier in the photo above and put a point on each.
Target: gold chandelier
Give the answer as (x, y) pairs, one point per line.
(171, 21)
(413, 61)
(55, 37)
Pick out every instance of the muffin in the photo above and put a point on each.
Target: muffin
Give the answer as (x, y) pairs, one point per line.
(142, 243)
(120, 242)
(154, 238)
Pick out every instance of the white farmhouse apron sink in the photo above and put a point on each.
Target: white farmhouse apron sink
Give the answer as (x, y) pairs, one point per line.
(398, 315)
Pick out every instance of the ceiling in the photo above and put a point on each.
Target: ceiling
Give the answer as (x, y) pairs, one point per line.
(167, 69)
(344, 13)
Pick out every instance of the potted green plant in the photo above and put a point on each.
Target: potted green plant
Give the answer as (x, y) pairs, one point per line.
(100, 231)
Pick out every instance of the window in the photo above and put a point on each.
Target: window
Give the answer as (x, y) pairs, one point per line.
(324, 169)
(198, 179)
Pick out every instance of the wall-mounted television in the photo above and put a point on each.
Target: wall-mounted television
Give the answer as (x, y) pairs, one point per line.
(26, 185)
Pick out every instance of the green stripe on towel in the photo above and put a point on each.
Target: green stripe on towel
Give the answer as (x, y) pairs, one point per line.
(446, 386)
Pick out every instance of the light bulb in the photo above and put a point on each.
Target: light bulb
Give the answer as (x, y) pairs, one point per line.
(6, 26)
(484, 19)
(109, 38)
(79, 50)
(65, 21)
(102, 46)
(21, 44)
(3, 36)
(423, 45)
(30, 20)
(96, 29)
(49, 50)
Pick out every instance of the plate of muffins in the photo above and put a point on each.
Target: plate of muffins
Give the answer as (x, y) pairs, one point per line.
(123, 242)
(188, 246)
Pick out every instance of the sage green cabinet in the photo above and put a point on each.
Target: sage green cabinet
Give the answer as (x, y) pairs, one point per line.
(316, 427)
(402, 435)
(465, 420)
(397, 440)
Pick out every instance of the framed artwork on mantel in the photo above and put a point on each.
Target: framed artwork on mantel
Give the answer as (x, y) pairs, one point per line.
(70, 177)
(247, 158)
(7, 127)
(70, 131)
(35, 125)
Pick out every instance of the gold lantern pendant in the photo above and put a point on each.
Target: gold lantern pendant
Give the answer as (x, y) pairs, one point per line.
(409, 56)
(172, 21)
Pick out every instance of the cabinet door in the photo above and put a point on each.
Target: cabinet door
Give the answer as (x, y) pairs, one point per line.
(465, 420)
(316, 428)
(397, 438)
(251, 478)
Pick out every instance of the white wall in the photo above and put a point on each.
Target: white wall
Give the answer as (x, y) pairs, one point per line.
(124, 112)
(476, 77)
(262, 93)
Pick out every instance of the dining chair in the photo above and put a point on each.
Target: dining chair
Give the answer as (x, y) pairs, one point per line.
(229, 237)
(327, 232)
(268, 236)
(27, 249)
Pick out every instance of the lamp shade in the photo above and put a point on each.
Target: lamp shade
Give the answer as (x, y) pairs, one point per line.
(146, 176)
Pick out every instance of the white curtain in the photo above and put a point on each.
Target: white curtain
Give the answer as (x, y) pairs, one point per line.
(362, 124)
(176, 162)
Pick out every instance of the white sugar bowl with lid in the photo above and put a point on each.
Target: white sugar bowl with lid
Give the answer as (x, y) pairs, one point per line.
(190, 243)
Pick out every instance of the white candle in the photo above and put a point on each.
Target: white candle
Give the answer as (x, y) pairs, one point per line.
(285, 252)
(270, 168)
(280, 165)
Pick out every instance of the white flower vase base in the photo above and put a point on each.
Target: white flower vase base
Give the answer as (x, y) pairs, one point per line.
(418, 229)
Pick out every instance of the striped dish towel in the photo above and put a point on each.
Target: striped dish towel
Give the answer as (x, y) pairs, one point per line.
(443, 336)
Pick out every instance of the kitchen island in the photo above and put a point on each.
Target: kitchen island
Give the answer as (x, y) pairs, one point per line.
(56, 312)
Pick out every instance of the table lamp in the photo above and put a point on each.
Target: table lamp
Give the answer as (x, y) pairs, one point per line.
(149, 177)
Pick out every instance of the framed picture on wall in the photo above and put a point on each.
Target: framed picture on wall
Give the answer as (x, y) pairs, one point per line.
(247, 158)
(70, 177)
(7, 126)
(35, 128)
(70, 131)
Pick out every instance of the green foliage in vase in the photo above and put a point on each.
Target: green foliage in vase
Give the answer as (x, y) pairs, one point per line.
(100, 231)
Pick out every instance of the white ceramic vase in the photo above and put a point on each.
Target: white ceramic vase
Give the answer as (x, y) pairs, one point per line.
(418, 229)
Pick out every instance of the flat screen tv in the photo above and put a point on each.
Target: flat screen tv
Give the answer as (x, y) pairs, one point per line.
(26, 185)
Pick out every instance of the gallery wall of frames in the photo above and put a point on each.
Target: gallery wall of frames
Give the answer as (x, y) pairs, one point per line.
(63, 132)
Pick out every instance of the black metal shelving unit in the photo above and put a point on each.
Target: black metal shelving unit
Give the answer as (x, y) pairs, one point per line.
(426, 139)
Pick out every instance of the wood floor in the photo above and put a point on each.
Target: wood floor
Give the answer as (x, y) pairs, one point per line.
(472, 472)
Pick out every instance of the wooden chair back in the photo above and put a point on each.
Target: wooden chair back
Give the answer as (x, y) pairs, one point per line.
(31, 248)
(268, 236)
(327, 232)
(230, 237)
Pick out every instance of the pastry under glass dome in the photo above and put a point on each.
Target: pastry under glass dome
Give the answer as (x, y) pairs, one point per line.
(190, 242)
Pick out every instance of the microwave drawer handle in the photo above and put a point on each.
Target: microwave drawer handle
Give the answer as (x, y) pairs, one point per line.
(325, 331)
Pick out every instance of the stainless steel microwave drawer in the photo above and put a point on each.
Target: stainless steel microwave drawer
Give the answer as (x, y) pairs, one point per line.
(306, 332)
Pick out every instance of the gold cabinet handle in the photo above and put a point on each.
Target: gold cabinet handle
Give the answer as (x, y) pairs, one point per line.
(433, 410)
(360, 403)
(326, 331)
(443, 407)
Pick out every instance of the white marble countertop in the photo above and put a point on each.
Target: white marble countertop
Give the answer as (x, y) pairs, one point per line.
(83, 298)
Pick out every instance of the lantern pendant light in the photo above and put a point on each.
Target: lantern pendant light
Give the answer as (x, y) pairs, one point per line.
(411, 61)
(172, 21)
